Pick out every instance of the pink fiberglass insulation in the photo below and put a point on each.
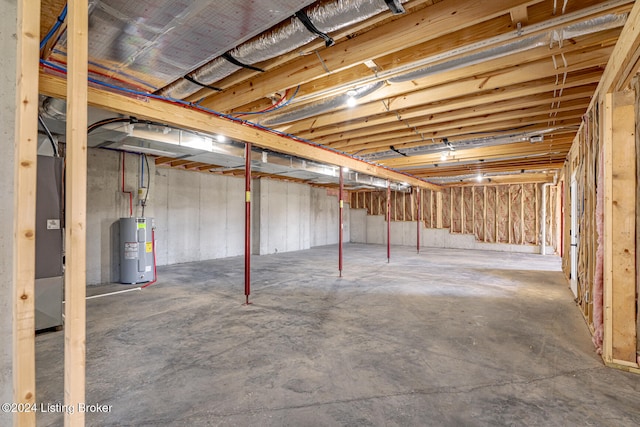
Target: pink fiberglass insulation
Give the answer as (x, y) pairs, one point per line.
(490, 226)
(515, 219)
(598, 278)
(425, 201)
(456, 211)
(530, 207)
(468, 211)
(502, 216)
(446, 208)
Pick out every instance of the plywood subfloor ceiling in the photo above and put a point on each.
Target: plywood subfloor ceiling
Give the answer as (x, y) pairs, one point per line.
(498, 87)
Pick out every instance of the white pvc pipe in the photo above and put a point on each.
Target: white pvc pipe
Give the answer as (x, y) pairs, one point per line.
(112, 293)
(543, 228)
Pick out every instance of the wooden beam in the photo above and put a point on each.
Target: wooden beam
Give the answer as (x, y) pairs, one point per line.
(187, 118)
(76, 213)
(510, 80)
(435, 113)
(418, 27)
(620, 209)
(440, 102)
(24, 201)
(625, 53)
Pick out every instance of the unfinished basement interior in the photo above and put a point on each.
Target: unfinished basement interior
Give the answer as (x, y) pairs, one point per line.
(320, 213)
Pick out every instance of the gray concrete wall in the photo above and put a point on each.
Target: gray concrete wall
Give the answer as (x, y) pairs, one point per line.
(8, 47)
(325, 213)
(197, 216)
(201, 216)
(284, 216)
(372, 229)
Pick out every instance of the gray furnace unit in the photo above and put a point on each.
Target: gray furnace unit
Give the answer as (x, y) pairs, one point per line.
(136, 250)
(49, 246)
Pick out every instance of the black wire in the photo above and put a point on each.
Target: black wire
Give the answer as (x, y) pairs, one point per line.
(46, 129)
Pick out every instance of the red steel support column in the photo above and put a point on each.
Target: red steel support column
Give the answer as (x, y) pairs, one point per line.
(340, 196)
(388, 221)
(418, 218)
(247, 222)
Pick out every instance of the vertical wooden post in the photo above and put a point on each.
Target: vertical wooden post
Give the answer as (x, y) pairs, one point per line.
(619, 341)
(462, 215)
(473, 210)
(76, 211)
(496, 215)
(509, 212)
(451, 209)
(24, 248)
(484, 213)
(431, 209)
(535, 210)
(439, 209)
(522, 242)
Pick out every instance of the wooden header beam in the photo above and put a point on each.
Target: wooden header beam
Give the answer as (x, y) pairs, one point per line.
(184, 117)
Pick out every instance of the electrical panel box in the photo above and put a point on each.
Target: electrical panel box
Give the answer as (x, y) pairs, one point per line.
(136, 250)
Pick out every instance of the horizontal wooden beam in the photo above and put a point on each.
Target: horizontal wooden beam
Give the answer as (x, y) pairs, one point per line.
(187, 118)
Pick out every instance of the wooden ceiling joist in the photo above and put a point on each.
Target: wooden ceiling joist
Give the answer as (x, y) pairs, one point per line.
(440, 19)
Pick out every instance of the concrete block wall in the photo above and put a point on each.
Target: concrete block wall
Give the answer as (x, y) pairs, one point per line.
(284, 215)
(201, 216)
(325, 213)
(372, 229)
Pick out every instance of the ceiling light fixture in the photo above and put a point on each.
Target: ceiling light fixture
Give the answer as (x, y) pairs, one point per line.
(444, 155)
(221, 138)
(479, 177)
(351, 100)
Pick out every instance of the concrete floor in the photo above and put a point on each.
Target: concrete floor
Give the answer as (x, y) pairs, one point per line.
(446, 337)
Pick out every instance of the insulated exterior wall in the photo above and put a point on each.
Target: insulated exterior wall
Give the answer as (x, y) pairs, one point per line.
(491, 217)
(446, 209)
(456, 210)
(509, 211)
(515, 216)
(479, 214)
(502, 216)
(468, 210)
(530, 207)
